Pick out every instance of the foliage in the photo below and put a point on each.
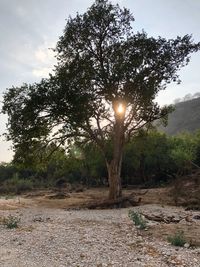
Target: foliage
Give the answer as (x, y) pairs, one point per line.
(39, 156)
(149, 158)
(178, 239)
(102, 64)
(94, 167)
(183, 149)
(137, 219)
(196, 138)
(16, 185)
(7, 170)
(11, 222)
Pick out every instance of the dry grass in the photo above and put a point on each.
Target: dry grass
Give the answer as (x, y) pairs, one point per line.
(162, 231)
(186, 191)
(47, 199)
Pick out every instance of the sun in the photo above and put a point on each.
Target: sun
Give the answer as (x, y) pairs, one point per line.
(120, 108)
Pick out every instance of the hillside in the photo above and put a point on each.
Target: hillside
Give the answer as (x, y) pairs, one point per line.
(186, 117)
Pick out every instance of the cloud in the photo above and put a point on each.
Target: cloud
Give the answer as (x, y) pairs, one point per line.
(40, 55)
(44, 59)
(120, 2)
(44, 53)
(20, 11)
(42, 72)
(6, 151)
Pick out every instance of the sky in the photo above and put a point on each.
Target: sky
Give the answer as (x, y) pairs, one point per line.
(30, 28)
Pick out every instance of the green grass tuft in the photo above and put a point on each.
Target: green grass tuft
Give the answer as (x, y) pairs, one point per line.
(137, 219)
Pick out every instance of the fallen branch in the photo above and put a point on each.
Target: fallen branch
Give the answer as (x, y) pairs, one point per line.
(138, 193)
(122, 202)
(163, 218)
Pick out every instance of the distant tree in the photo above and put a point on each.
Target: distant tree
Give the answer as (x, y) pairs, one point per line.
(104, 86)
(147, 156)
(183, 150)
(177, 100)
(7, 171)
(196, 95)
(37, 156)
(187, 97)
(94, 165)
(197, 147)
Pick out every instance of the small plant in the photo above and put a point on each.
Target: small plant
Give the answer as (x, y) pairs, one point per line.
(11, 222)
(177, 239)
(137, 219)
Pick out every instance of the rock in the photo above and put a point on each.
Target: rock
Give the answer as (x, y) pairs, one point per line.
(176, 219)
(183, 221)
(82, 255)
(152, 223)
(38, 219)
(196, 217)
(167, 253)
(160, 217)
(186, 245)
(188, 219)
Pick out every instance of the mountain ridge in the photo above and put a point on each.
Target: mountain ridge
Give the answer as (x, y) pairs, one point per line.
(185, 118)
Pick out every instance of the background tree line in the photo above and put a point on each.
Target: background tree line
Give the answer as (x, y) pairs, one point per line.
(150, 159)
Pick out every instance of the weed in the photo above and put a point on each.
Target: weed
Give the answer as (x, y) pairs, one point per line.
(177, 239)
(11, 222)
(137, 219)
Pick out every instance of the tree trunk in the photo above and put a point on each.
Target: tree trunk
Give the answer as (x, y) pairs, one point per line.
(114, 178)
(114, 166)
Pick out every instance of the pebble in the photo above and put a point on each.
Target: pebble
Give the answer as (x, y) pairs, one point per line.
(186, 245)
(99, 238)
(167, 253)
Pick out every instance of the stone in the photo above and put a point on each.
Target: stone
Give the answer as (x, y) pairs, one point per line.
(167, 253)
(186, 245)
(196, 217)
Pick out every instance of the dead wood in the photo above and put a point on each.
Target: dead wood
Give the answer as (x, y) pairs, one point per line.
(138, 193)
(59, 195)
(123, 202)
(163, 218)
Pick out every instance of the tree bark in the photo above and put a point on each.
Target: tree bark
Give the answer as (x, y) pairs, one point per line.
(114, 167)
(114, 178)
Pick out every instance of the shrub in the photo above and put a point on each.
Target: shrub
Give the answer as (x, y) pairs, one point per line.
(137, 219)
(11, 222)
(16, 185)
(177, 239)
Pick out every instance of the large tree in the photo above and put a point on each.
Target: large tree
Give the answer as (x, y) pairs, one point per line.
(103, 88)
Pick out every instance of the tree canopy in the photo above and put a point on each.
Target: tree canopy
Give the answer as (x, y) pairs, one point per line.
(104, 85)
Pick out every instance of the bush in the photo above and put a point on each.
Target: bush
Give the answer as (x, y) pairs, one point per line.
(7, 171)
(177, 239)
(137, 219)
(16, 185)
(11, 222)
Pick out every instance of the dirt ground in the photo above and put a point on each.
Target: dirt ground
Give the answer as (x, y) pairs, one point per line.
(160, 196)
(78, 200)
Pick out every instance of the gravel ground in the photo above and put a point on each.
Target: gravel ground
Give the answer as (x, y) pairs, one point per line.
(84, 238)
